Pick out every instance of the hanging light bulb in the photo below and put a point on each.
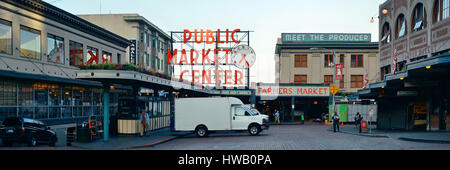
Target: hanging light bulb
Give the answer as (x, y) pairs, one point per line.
(385, 11)
(372, 20)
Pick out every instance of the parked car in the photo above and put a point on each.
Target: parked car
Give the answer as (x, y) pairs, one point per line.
(24, 130)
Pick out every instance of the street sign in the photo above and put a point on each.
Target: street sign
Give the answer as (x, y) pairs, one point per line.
(334, 89)
(370, 112)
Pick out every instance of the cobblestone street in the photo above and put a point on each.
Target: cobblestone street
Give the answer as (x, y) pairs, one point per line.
(295, 137)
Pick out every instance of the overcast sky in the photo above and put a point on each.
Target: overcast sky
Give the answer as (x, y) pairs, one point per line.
(267, 18)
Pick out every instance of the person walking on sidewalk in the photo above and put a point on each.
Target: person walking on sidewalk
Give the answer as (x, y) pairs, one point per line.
(336, 120)
(277, 116)
(144, 121)
(358, 119)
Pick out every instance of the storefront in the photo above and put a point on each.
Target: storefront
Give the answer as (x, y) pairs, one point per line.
(293, 101)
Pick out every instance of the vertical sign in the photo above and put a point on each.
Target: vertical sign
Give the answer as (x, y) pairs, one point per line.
(339, 70)
(132, 52)
(366, 79)
(394, 64)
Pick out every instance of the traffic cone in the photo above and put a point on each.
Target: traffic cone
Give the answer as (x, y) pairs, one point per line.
(342, 123)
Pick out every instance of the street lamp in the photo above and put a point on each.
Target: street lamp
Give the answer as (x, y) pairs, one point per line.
(334, 73)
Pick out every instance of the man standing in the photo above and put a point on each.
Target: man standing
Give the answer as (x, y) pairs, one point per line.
(277, 116)
(336, 120)
(144, 121)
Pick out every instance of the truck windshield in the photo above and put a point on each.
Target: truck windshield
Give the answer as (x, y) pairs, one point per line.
(249, 111)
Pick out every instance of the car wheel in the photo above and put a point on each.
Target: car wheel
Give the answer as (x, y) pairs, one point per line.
(254, 130)
(32, 141)
(201, 131)
(7, 143)
(52, 142)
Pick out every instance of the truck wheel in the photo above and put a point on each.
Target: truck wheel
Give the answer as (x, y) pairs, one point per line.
(254, 129)
(201, 131)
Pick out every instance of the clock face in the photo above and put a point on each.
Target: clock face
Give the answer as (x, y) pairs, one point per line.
(243, 56)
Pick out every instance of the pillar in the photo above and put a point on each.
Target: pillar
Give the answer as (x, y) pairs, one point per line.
(106, 114)
(292, 108)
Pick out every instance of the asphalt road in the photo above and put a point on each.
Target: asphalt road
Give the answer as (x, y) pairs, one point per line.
(294, 137)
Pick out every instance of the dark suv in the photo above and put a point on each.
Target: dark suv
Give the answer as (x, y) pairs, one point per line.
(24, 130)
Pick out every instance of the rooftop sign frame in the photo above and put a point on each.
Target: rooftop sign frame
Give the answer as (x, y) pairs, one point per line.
(325, 37)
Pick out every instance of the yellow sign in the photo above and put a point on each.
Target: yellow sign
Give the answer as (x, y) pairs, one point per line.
(334, 89)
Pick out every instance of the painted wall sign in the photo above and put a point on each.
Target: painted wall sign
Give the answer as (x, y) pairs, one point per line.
(306, 91)
(334, 37)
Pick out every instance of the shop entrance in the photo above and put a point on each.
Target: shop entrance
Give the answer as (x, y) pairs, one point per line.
(311, 108)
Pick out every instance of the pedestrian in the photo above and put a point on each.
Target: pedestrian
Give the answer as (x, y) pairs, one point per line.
(144, 121)
(358, 119)
(277, 116)
(336, 119)
(303, 119)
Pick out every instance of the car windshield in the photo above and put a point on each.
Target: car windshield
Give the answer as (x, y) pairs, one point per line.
(249, 111)
(12, 122)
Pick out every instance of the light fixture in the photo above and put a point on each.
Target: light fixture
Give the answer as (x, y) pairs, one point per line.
(402, 78)
(385, 11)
(372, 20)
(67, 93)
(112, 87)
(382, 87)
(428, 67)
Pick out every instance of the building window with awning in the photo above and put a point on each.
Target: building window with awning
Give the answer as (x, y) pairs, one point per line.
(401, 26)
(419, 17)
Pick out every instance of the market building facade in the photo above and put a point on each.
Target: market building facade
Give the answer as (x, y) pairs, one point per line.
(305, 59)
(42, 48)
(414, 65)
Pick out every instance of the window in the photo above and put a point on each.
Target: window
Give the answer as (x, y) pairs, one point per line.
(118, 58)
(300, 79)
(357, 81)
(357, 61)
(386, 34)
(328, 79)
(342, 60)
(30, 43)
(55, 49)
(89, 57)
(419, 18)
(5, 37)
(76, 53)
(239, 111)
(400, 26)
(106, 57)
(301, 61)
(441, 10)
(328, 60)
(342, 83)
(8, 93)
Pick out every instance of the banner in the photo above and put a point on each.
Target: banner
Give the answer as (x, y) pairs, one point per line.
(339, 71)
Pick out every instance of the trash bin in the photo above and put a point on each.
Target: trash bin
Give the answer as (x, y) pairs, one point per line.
(364, 127)
(84, 135)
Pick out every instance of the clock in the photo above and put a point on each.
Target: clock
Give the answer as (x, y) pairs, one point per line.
(243, 56)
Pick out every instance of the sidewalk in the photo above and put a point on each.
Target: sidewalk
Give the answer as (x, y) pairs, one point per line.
(350, 129)
(416, 136)
(131, 142)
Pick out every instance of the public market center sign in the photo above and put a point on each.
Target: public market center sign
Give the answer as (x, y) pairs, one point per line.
(325, 37)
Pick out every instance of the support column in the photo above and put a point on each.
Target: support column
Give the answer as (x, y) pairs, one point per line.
(106, 114)
(253, 98)
(292, 108)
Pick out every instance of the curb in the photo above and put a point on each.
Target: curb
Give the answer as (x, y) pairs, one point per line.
(424, 140)
(158, 142)
(363, 134)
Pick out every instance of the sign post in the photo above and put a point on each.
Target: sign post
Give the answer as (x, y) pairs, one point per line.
(370, 120)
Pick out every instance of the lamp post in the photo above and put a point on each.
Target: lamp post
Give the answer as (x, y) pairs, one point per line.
(334, 74)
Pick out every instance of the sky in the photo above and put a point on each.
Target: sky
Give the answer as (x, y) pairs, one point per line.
(267, 18)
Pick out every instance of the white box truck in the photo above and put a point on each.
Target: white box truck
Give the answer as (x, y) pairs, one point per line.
(205, 115)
